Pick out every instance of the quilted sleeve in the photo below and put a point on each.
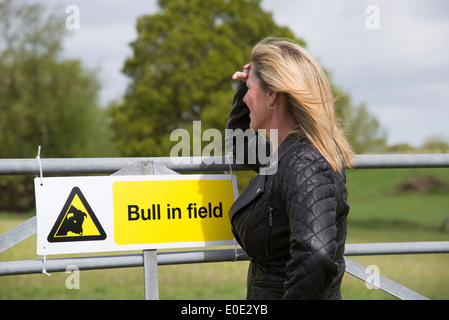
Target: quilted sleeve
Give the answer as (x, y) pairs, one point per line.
(309, 192)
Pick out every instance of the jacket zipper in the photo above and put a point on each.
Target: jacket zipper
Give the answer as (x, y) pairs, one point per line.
(270, 216)
(270, 224)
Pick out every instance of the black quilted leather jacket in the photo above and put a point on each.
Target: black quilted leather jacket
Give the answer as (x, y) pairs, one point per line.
(291, 223)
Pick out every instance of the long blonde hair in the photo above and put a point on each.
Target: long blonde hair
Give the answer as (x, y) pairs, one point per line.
(285, 67)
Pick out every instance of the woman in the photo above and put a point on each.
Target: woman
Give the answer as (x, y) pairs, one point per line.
(292, 222)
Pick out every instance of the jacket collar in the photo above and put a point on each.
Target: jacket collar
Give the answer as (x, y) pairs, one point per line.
(290, 141)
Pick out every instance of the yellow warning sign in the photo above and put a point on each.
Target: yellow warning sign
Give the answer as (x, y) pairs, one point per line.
(172, 211)
(77, 221)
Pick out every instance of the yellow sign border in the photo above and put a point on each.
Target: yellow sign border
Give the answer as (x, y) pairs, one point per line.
(171, 211)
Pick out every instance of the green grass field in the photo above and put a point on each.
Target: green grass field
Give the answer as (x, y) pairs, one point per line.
(379, 213)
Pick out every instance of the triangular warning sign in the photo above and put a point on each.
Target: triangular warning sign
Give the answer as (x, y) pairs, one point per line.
(77, 221)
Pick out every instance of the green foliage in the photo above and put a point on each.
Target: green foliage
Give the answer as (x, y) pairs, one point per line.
(362, 129)
(433, 144)
(181, 69)
(44, 101)
(181, 66)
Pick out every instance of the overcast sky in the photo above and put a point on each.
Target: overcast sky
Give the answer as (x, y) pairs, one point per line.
(400, 70)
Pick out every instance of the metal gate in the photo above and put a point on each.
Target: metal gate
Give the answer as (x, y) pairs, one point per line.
(150, 259)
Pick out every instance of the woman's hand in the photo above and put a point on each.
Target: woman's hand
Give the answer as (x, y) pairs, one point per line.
(242, 75)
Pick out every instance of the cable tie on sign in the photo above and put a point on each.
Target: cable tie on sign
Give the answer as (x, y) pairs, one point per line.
(236, 255)
(38, 157)
(44, 262)
(228, 156)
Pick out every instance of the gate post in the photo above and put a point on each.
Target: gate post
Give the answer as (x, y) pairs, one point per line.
(150, 277)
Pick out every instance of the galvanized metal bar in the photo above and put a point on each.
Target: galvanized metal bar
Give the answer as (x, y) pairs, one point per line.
(202, 256)
(189, 257)
(17, 234)
(378, 161)
(60, 265)
(392, 287)
(52, 166)
(389, 248)
(121, 261)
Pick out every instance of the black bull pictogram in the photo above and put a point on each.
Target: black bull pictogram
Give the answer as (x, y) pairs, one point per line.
(73, 222)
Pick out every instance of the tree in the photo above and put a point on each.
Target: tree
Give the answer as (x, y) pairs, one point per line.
(43, 100)
(435, 144)
(183, 59)
(180, 71)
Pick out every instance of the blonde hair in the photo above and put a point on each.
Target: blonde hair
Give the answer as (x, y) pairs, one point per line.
(285, 67)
